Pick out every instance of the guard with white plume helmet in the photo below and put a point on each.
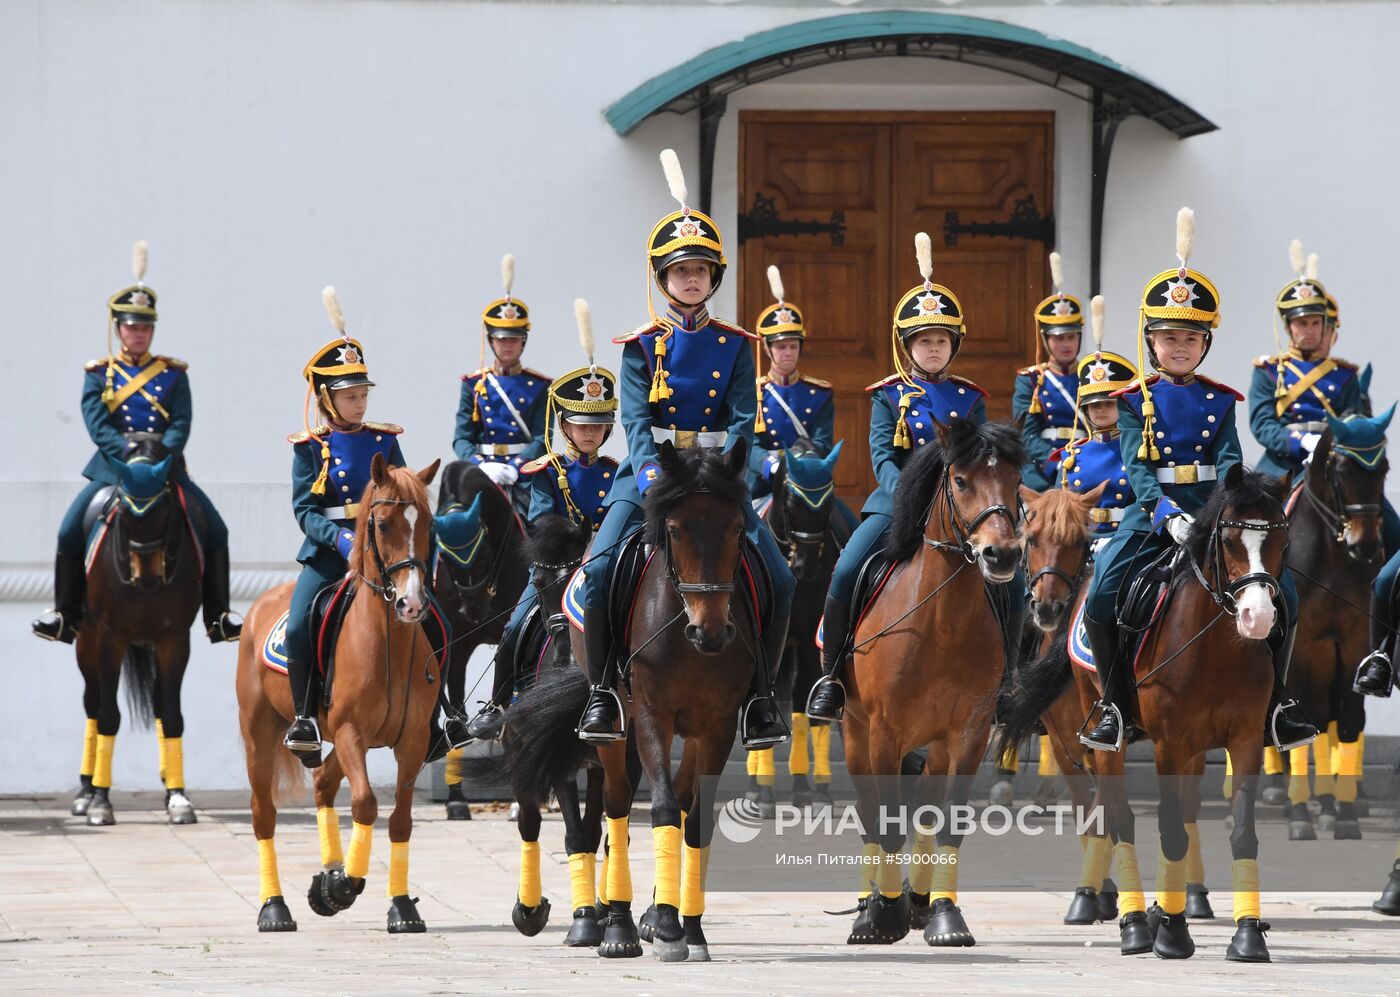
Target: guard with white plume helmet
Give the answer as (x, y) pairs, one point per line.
(1178, 438)
(136, 403)
(1044, 394)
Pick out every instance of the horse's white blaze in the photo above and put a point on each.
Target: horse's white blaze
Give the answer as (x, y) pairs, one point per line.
(1254, 616)
(413, 589)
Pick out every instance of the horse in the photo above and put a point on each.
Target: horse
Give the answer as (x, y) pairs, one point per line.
(384, 691)
(144, 574)
(479, 576)
(928, 658)
(1336, 550)
(800, 514)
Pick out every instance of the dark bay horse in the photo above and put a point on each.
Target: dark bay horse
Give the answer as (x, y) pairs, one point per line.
(144, 569)
(1335, 552)
(386, 682)
(929, 656)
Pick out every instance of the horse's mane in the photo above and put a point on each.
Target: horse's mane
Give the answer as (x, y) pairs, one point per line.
(695, 470)
(960, 442)
(402, 485)
(1254, 489)
(554, 539)
(1058, 515)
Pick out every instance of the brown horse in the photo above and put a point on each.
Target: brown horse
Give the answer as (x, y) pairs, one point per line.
(928, 659)
(143, 592)
(386, 681)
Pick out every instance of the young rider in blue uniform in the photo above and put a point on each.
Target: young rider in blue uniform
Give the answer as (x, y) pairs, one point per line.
(129, 397)
(904, 411)
(1044, 395)
(1174, 450)
(686, 378)
(330, 471)
(501, 413)
(574, 484)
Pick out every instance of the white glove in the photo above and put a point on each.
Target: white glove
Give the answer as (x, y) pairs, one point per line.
(1309, 442)
(1180, 527)
(504, 475)
(1097, 546)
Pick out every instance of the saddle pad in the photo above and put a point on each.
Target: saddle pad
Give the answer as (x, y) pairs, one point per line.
(274, 649)
(327, 613)
(1078, 639)
(1293, 498)
(573, 592)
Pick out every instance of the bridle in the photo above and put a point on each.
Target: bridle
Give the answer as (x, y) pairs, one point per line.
(1339, 521)
(963, 529)
(139, 507)
(1054, 571)
(1225, 597)
(817, 499)
(385, 588)
(467, 590)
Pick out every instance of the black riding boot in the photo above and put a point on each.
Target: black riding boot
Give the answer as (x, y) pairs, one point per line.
(761, 723)
(1286, 727)
(1376, 675)
(218, 622)
(69, 587)
(486, 725)
(303, 737)
(602, 716)
(1115, 727)
(827, 699)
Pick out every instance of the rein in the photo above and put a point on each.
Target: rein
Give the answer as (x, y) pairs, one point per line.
(791, 539)
(1328, 511)
(385, 588)
(125, 547)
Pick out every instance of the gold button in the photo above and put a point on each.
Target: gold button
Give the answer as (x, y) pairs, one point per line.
(672, 410)
(337, 460)
(715, 374)
(712, 392)
(722, 339)
(341, 473)
(707, 411)
(607, 474)
(601, 493)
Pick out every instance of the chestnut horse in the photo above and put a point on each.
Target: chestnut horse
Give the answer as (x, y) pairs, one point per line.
(386, 682)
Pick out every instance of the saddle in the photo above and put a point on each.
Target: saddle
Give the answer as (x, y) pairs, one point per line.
(1139, 607)
(328, 610)
(874, 571)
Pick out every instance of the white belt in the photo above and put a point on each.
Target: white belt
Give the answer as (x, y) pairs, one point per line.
(1057, 433)
(1186, 474)
(1106, 515)
(342, 512)
(685, 439)
(1307, 427)
(500, 449)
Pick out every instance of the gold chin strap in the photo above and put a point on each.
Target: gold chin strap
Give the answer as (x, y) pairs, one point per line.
(1035, 405)
(1148, 450)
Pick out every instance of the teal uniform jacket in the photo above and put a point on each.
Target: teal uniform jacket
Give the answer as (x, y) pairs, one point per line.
(1084, 464)
(1052, 427)
(1331, 388)
(527, 391)
(587, 483)
(812, 400)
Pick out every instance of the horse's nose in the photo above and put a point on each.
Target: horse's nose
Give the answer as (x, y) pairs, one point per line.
(1047, 613)
(1000, 560)
(1365, 550)
(409, 609)
(707, 644)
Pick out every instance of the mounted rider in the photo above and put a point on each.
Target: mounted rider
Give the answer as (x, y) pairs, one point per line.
(686, 378)
(501, 412)
(905, 408)
(574, 484)
(1178, 437)
(130, 397)
(330, 471)
(1044, 394)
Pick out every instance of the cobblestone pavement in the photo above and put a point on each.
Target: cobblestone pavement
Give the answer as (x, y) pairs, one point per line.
(145, 907)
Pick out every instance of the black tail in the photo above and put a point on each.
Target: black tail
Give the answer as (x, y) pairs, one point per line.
(541, 740)
(139, 675)
(1036, 686)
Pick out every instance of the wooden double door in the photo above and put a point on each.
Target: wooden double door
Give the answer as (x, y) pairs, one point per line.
(891, 175)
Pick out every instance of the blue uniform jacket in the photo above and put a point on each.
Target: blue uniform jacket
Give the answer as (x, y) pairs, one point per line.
(140, 410)
(1084, 464)
(328, 525)
(949, 396)
(529, 393)
(588, 484)
(710, 370)
(1335, 391)
(1049, 429)
(811, 400)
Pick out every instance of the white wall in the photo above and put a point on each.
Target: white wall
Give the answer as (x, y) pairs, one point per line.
(396, 149)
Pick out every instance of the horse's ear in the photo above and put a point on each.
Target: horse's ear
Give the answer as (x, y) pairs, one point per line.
(944, 432)
(1284, 484)
(161, 471)
(1028, 494)
(666, 454)
(1091, 498)
(430, 472)
(378, 469)
(835, 454)
(1235, 476)
(739, 456)
(1383, 422)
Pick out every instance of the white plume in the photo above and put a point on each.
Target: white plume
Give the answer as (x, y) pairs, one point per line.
(508, 272)
(1296, 260)
(332, 304)
(675, 176)
(140, 252)
(584, 318)
(1312, 266)
(1096, 319)
(1185, 233)
(1057, 272)
(775, 281)
(923, 251)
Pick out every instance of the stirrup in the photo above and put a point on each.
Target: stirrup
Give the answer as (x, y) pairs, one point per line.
(761, 743)
(303, 747)
(812, 694)
(224, 629)
(1273, 729)
(1378, 653)
(603, 737)
(1104, 710)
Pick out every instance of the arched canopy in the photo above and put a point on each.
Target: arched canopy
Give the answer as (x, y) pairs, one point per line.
(1020, 51)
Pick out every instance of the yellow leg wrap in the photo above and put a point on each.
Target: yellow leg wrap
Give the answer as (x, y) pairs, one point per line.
(1298, 790)
(1348, 770)
(603, 879)
(160, 750)
(89, 748)
(1171, 885)
(797, 750)
(921, 874)
(695, 866)
(102, 767)
(619, 868)
(821, 753)
(1195, 865)
(357, 863)
(1323, 781)
(452, 771)
(583, 887)
(1244, 873)
(529, 890)
(666, 845)
(1097, 852)
(767, 766)
(1228, 790)
(173, 748)
(1130, 895)
(398, 869)
(328, 826)
(751, 763)
(269, 884)
(945, 874)
(1047, 765)
(1010, 760)
(869, 867)
(1273, 762)
(1105, 855)
(889, 880)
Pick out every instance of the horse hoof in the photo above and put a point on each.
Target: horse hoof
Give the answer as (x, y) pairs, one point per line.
(1108, 902)
(179, 809)
(100, 813)
(668, 937)
(403, 916)
(822, 799)
(882, 920)
(1173, 938)
(946, 926)
(1326, 821)
(459, 810)
(646, 927)
(1248, 945)
(1363, 804)
(585, 932)
(620, 939)
(1084, 908)
(332, 892)
(1198, 902)
(697, 953)
(1134, 934)
(920, 909)
(530, 921)
(1389, 902)
(1002, 794)
(1301, 830)
(81, 802)
(802, 795)
(695, 938)
(275, 916)
(767, 803)
(1274, 796)
(751, 791)
(1346, 830)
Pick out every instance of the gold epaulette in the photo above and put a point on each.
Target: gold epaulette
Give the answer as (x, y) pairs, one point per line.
(534, 373)
(959, 379)
(1269, 361)
(1032, 369)
(538, 464)
(816, 381)
(637, 333)
(174, 364)
(1344, 364)
(728, 326)
(382, 427)
(99, 364)
(884, 381)
(314, 434)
